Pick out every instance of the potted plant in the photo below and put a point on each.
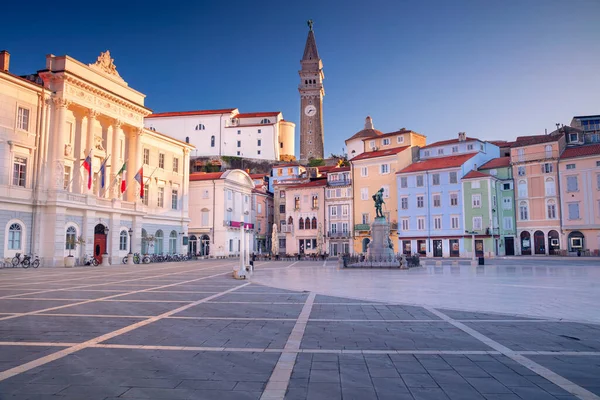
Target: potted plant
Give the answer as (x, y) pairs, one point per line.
(149, 242)
(73, 243)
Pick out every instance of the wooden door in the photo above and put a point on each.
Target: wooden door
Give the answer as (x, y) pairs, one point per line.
(99, 246)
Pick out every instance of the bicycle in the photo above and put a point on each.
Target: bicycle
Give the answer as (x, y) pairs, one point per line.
(26, 261)
(90, 261)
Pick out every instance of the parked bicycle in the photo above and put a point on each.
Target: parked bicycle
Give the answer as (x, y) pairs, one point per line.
(90, 260)
(25, 261)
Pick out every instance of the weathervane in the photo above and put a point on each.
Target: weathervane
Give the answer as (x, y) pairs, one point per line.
(310, 24)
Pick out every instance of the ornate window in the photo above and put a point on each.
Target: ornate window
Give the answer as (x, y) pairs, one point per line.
(173, 242)
(290, 220)
(14, 237)
(123, 236)
(265, 121)
(300, 223)
(212, 141)
(70, 238)
(158, 242)
(314, 223)
(200, 127)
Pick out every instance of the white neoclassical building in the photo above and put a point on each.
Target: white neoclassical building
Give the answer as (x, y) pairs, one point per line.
(50, 122)
(219, 203)
(227, 132)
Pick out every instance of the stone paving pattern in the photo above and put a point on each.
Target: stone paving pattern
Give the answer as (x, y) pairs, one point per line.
(212, 337)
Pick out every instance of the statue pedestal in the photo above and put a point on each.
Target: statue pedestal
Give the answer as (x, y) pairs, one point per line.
(379, 247)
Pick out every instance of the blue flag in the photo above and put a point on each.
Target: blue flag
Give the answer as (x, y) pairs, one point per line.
(103, 173)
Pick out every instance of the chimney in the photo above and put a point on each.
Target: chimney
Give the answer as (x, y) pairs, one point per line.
(462, 136)
(368, 123)
(4, 60)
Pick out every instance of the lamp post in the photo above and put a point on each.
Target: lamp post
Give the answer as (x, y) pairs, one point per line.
(105, 262)
(241, 272)
(130, 255)
(472, 233)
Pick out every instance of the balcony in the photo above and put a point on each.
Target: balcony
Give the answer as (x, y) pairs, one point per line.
(237, 224)
(338, 235)
(287, 228)
(362, 227)
(341, 182)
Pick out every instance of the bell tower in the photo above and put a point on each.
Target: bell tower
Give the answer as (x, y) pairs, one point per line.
(311, 100)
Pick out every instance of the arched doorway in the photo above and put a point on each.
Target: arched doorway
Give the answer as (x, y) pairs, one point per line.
(193, 245)
(539, 243)
(525, 243)
(144, 241)
(365, 244)
(158, 242)
(204, 245)
(553, 243)
(100, 233)
(576, 241)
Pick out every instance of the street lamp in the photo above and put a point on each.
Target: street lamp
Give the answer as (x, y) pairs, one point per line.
(241, 272)
(472, 233)
(130, 255)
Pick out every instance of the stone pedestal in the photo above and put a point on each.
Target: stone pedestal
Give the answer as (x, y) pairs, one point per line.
(379, 247)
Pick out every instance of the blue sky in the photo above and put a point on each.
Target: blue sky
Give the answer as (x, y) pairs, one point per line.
(495, 69)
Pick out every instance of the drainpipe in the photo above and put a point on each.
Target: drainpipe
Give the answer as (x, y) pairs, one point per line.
(428, 215)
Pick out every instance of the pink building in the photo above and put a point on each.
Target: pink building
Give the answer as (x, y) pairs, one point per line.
(579, 171)
(262, 213)
(534, 161)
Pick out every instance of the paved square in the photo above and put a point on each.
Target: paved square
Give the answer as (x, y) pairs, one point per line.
(190, 331)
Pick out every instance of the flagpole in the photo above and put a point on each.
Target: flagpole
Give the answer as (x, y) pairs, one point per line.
(79, 169)
(104, 165)
(115, 180)
(148, 179)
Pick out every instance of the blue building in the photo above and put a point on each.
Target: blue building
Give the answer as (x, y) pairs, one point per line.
(430, 209)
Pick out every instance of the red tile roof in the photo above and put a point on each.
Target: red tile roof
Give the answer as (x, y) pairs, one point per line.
(475, 174)
(438, 163)
(365, 133)
(257, 176)
(379, 153)
(582, 151)
(205, 176)
(315, 183)
(496, 163)
(535, 139)
(445, 142)
(188, 113)
(287, 165)
(500, 143)
(340, 169)
(257, 114)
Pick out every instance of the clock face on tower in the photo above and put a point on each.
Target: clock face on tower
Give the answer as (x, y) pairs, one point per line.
(310, 110)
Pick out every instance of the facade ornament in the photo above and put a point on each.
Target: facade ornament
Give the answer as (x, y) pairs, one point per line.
(61, 102)
(139, 132)
(117, 124)
(92, 114)
(106, 64)
(98, 143)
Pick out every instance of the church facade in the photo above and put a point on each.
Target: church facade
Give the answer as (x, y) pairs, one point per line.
(311, 100)
(77, 163)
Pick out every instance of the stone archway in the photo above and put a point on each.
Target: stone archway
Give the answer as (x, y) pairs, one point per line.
(525, 243)
(576, 241)
(99, 242)
(204, 245)
(553, 243)
(539, 242)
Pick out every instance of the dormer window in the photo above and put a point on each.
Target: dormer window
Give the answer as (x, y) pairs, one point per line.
(426, 153)
(265, 121)
(573, 137)
(200, 127)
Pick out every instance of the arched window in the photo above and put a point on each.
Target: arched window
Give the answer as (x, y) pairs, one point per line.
(551, 209)
(550, 187)
(200, 127)
(123, 236)
(212, 141)
(265, 121)
(187, 139)
(290, 220)
(300, 223)
(144, 241)
(522, 188)
(153, 129)
(306, 82)
(173, 242)
(14, 237)
(307, 223)
(549, 151)
(314, 223)
(70, 238)
(158, 242)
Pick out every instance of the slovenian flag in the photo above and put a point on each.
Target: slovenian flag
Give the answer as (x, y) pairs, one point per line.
(123, 181)
(140, 178)
(103, 173)
(87, 164)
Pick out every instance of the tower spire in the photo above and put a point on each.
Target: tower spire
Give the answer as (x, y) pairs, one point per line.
(310, 49)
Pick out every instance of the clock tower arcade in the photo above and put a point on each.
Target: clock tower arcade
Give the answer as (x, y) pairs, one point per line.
(311, 100)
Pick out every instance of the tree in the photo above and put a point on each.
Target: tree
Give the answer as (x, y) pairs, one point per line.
(316, 162)
(342, 160)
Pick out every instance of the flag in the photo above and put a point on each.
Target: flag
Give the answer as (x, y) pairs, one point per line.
(87, 164)
(103, 173)
(140, 178)
(123, 181)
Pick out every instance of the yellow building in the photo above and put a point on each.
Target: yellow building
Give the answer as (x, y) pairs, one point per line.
(374, 169)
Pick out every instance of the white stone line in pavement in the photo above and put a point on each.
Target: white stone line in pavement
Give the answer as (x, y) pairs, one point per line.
(108, 297)
(256, 302)
(544, 372)
(39, 344)
(280, 377)
(275, 293)
(558, 353)
(95, 315)
(426, 320)
(70, 350)
(235, 318)
(114, 283)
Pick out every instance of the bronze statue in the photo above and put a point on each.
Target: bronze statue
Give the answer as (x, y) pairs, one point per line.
(378, 198)
(310, 24)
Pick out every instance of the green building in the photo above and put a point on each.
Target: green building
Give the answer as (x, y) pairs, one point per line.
(489, 209)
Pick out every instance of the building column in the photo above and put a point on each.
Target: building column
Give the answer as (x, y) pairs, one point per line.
(116, 161)
(58, 149)
(185, 185)
(90, 143)
(134, 163)
(80, 146)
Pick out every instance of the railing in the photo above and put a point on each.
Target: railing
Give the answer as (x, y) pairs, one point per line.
(104, 202)
(79, 198)
(339, 235)
(127, 206)
(287, 228)
(362, 227)
(237, 224)
(341, 182)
